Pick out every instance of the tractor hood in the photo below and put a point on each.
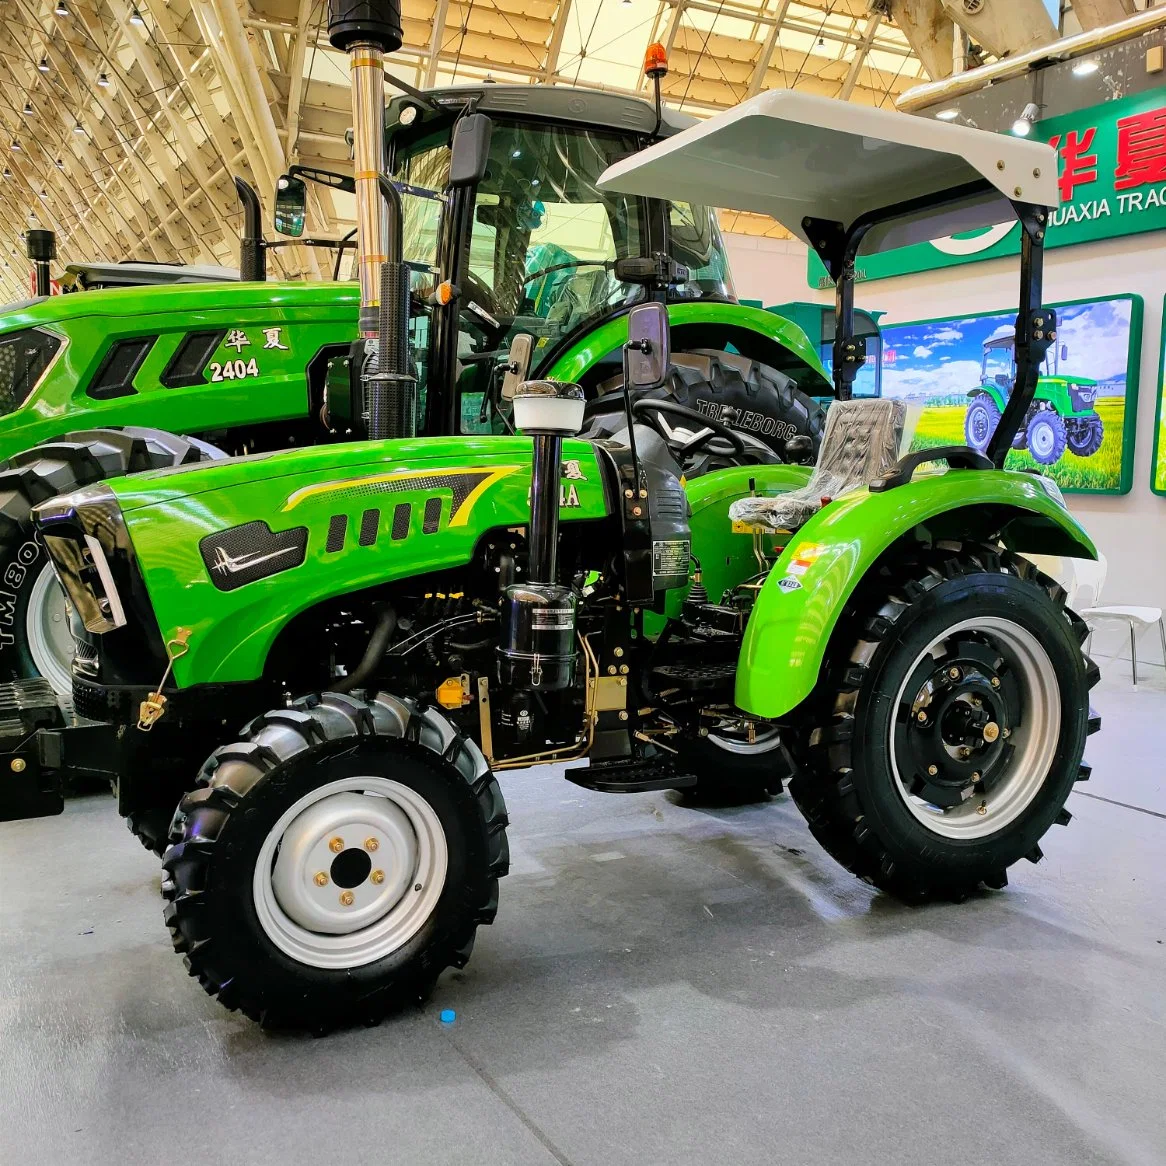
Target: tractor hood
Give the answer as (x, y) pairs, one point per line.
(177, 298)
(319, 467)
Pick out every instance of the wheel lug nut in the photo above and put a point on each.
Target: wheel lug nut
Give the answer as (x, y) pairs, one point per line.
(992, 731)
(995, 681)
(377, 876)
(371, 844)
(932, 770)
(922, 717)
(954, 673)
(347, 898)
(965, 751)
(982, 808)
(336, 845)
(1005, 733)
(321, 879)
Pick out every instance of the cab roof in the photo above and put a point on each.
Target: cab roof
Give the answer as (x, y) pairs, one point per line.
(791, 155)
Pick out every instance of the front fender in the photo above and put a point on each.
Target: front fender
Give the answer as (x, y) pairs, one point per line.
(801, 600)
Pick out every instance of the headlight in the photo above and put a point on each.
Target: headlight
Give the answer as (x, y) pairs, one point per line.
(1052, 489)
(81, 532)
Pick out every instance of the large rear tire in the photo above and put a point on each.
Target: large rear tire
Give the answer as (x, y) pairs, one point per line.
(334, 860)
(768, 406)
(35, 636)
(956, 727)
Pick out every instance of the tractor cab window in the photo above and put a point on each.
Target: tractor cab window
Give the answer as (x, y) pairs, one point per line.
(695, 241)
(999, 366)
(543, 245)
(424, 166)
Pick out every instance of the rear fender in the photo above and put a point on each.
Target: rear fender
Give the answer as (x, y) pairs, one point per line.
(800, 603)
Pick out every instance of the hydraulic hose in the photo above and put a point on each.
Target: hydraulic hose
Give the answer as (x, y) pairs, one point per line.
(373, 654)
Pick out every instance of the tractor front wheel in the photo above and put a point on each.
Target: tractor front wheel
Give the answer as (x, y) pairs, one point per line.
(1045, 436)
(1084, 434)
(957, 726)
(735, 762)
(334, 860)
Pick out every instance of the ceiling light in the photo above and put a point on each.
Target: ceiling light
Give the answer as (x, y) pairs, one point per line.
(44, 194)
(7, 172)
(948, 114)
(79, 129)
(16, 145)
(1085, 67)
(1022, 126)
(28, 109)
(136, 18)
(44, 65)
(60, 163)
(103, 80)
(61, 9)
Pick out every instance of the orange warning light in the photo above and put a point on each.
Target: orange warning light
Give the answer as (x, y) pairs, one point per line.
(444, 293)
(655, 60)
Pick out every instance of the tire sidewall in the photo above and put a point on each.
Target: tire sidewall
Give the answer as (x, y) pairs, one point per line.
(947, 604)
(987, 406)
(229, 905)
(1047, 418)
(21, 562)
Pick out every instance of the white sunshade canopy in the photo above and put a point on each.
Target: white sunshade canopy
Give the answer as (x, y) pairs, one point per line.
(790, 154)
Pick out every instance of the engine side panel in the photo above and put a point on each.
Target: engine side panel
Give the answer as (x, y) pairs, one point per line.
(234, 551)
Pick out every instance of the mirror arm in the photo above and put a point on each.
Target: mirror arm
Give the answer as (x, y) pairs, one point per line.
(330, 178)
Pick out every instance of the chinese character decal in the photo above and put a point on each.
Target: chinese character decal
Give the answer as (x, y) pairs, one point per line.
(236, 339)
(271, 339)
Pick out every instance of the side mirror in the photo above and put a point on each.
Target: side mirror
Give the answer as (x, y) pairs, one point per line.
(517, 365)
(470, 152)
(291, 204)
(1064, 352)
(648, 355)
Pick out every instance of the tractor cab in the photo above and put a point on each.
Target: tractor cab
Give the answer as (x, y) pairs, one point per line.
(519, 265)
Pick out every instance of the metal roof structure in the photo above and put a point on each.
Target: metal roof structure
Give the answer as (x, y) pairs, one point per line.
(123, 121)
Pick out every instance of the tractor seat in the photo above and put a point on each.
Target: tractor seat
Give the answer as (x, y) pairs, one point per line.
(860, 444)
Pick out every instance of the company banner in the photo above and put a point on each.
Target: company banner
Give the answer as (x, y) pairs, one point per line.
(1111, 164)
(1080, 429)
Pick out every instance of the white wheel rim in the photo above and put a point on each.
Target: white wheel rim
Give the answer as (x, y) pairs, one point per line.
(1033, 739)
(1041, 441)
(765, 740)
(350, 873)
(46, 625)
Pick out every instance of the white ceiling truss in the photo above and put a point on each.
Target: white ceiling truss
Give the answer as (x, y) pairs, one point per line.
(123, 122)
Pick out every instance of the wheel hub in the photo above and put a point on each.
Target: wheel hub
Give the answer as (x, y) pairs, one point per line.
(350, 872)
(326, 884)
(975, 728)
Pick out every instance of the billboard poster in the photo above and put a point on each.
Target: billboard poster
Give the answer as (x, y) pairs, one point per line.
(1158, 461)
(1080, 428)
(1111, 173)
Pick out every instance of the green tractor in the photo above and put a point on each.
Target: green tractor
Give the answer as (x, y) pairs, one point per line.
(1063, 414)
(528, 264)
(624, 585)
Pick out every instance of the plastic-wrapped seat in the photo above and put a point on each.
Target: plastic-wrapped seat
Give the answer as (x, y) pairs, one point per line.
(860, 444)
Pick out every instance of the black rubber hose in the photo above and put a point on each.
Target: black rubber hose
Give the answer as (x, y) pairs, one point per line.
(373, 654)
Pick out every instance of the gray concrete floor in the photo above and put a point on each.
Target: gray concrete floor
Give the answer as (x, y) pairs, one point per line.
(663, 985)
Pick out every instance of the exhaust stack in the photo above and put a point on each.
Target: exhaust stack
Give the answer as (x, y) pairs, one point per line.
(366, 30)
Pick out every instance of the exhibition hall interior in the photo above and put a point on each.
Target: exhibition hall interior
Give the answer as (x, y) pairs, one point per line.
(582, 582)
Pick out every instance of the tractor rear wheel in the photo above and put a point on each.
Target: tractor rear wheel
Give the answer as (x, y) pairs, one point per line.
(768, 406)
(1084, 434)
(334, 861)
(35, 634)
(980, 421)
(956, 727)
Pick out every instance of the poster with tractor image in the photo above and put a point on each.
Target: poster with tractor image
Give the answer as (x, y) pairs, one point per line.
(1158, 461)
(1079, 429)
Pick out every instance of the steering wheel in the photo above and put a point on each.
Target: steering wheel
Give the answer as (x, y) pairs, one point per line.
(713, 436)
(567, 266)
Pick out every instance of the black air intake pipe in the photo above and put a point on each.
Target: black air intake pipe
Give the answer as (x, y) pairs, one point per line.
(252, 253)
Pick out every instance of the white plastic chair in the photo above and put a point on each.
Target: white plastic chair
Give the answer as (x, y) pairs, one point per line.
(1082, 580)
